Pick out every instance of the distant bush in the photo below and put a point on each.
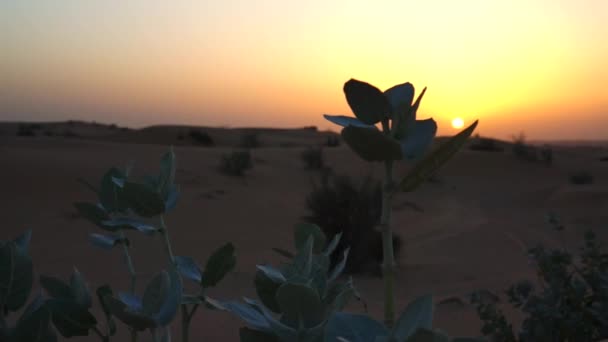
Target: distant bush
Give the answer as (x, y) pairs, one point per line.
(236, 163)
(113, 126)
(485, 144)
(332, 141)
(340, 205)
(249, 140)
(522, 150)
(310, 128)
(313, 158)
(571, 303)
(69, 134)
(27, 130)
(546, 155)
(201, 138)
(581, 178)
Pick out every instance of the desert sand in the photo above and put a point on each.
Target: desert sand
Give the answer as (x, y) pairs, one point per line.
(476, 223)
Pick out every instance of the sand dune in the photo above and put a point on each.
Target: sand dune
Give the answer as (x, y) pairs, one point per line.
(472, 231)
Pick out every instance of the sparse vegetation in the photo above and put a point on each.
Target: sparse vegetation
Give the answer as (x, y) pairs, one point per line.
(485, 145)
(522, 150)
(546, 155)
(200, 138)
(236, 163)
(313, 158)
(27, 130)
(580, 178)
(332, 141)
(571, 303)
(249, 140)
(338, 205)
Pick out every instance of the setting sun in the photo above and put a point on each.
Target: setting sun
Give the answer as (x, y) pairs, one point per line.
(457, 123)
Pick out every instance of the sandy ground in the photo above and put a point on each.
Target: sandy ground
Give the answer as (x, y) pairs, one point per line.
(475, 227)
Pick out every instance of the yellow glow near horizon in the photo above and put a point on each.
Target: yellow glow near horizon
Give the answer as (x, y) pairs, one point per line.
(457, 123)
(531, 65)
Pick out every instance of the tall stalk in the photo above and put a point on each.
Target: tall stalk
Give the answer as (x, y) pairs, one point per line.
(388, 259)
(128, 261)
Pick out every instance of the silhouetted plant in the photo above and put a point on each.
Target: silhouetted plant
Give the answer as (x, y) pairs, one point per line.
(339, 205)
(581, 178)
(546, 155)
(201, 138)
(313, 158)
(522, 150)
(485, 145)
(571, 303)
(249, 140)
(332, 141)
(26, 130)
(236, 163)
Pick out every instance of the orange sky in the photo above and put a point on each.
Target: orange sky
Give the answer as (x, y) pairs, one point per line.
(519, 65)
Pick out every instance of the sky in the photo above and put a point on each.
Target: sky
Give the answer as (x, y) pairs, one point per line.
(533, 66)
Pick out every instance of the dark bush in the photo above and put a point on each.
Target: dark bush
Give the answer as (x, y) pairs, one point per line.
(339, 205)
(546, 155)
(571, 303)
(201, 138)
(236, 163)
(522, 150)
(485, 145)
(249, 140)
(581, 178)
(332, 141)
(27, 130)
(313, 158)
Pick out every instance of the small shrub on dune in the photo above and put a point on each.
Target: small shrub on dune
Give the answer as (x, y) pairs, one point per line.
(249, 140)
(236, 163)
(200, 138)
(485, 145)
(581, 178)
(522, 150)
(313, 158)
(339, 204)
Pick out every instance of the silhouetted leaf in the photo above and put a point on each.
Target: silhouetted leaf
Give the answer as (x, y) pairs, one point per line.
(172, 299)
(371, 145)
(56, 288)
(335, 273)
(218, 265)
(35, 326)
(110, 194)
(80, 290)
(189, 268)
(135, 320)
(251, 335)
(70, 318)
(130, 223)
(421, 137)
(272, 273)
(345, 121)
(300, 304)
(283, 252)
(143, 200)
(418, 314)
(433, 161)
(303, 231)
(16, 276)
(367, 102)
(400, 97)
(102, 292)
(23, 242)
(353, 327)
(155, 294)
(105, 241)
(94, 213)
(266, 289)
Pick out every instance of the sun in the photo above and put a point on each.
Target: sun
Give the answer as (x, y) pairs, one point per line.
(457, 123)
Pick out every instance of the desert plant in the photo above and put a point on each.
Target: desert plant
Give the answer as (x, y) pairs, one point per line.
(571, 303)
(546, 155)
(523, 150)
(313, 158)
(339, 205)
(249, 140)
(200, 138)
(332, 141)
(580, 178)
(401, 137)
(26, 130)
(126, 205)
(485, 145)
(235, 163)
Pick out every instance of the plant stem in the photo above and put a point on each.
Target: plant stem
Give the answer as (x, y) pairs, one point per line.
(185, 323)
(388, 262)
(128, 261)
(165, 234)
(103, 337)
(133, 335)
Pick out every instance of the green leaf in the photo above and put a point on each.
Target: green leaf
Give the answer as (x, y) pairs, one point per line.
(344, 121)
(94, 214)
(144, 201)
(339, 294)
(189, 268)
(335, 273)
(16, 276)
(249, 314)
(110, 194)
(433, 161)
(272, 273)
(102, 292)
(331, 247)
(303, 231)
(353, 327)
(80, 290)
(301, 265)
(251, 335)
(156, 293)
(172, 300)
(418, 141)
(218, 265)
(418, 314)
(135, 320)
(367, 102)
(400, 98)
(129, 223)
(371, 145)
(282, 252)
(35, 327)
(266, 289)
(23, 242)
(56, 288)
(300, 305)
(106, 241)
(70, 318)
